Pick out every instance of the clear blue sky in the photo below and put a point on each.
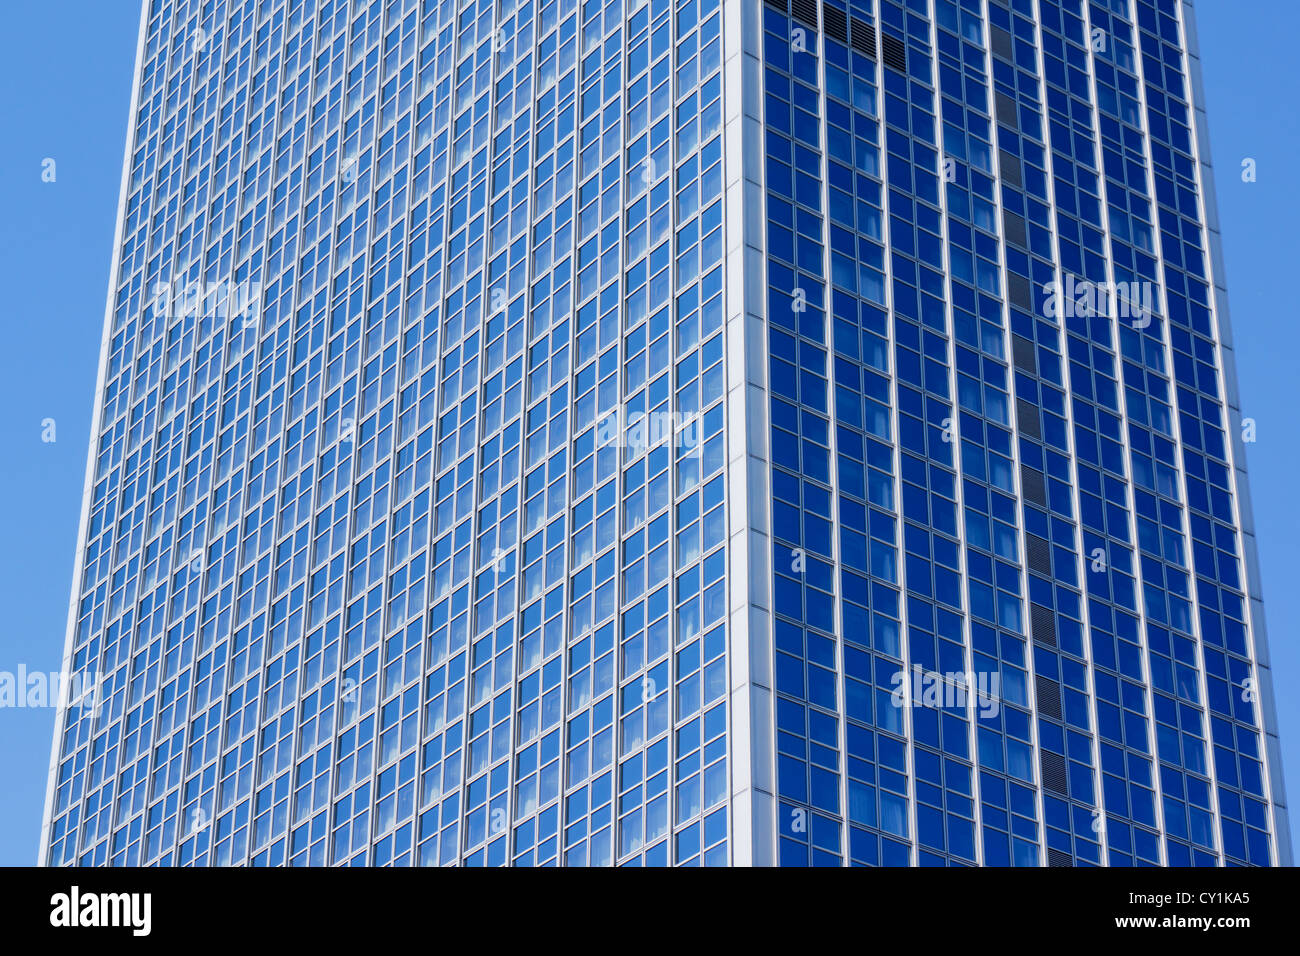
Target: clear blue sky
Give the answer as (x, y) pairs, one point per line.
(65, 78)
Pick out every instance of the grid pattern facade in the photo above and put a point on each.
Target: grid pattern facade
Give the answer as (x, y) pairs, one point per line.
(373, 571)
(973, 482)
(545, 433)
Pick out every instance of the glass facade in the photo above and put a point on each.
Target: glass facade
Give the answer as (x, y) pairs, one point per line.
(666, 432)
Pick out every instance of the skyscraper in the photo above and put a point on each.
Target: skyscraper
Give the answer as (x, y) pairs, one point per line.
(669, 432)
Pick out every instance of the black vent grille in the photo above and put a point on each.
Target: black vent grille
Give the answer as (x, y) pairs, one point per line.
(863, 37)
(1049, 698)
(1020, 292)
(778, 5)
(805, 10)
(1013, 227)
(1000, 43)
(1059, 858)
(1006, 108)
(1010, 166)
(837, 24)
(1040, 554)
(894, 52)
(1031, 484)
(1042, 624)
(1027, 418)
(1054, 776)
(1022, 353)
